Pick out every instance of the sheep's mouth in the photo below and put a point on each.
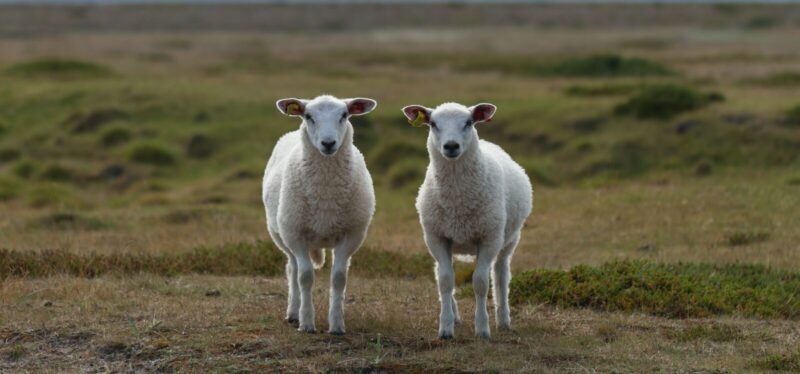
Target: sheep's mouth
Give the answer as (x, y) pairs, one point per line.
(328, 152)
(453, 155)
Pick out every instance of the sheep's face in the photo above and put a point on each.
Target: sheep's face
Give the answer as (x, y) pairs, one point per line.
(452, 130)
(325, 118)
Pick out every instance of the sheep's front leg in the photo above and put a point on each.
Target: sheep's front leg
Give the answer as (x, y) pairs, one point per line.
(293, 308)
(305, 279)
(480, 283)
(341, 263)
(440, 249)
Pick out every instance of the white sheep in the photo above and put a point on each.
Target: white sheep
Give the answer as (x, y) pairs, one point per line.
(474, 201)
(318, 194)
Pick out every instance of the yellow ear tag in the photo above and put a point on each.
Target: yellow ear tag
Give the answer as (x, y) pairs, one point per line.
(419, 121)
(292, 109)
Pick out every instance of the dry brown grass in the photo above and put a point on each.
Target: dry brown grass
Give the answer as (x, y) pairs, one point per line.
(175, 324)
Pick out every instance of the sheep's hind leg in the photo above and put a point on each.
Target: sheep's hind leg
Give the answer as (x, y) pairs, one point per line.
(501, 277)
(456, 315)
(341, 263)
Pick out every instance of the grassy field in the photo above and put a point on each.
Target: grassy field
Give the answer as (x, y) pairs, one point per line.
(663, 143)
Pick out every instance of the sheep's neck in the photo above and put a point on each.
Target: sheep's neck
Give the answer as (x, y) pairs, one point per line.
(460, 178)
(329, 171)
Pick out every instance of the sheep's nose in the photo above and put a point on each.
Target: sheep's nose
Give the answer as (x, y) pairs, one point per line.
(451, 146)
(328, 144)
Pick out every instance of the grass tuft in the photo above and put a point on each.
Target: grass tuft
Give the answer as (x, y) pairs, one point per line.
(779, 362)
(9, 154)
(59, 68)
(793, 116)
(152, 154)
(715, 332)
(69, 221)
(115, 136)
(56, 173)
(606, 65)
(665, 101)
(668, 290)
(737, 239)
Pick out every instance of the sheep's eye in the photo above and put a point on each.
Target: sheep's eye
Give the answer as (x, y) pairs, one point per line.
(344, 116)
(467, 124)
(308, 118)
(433, 124)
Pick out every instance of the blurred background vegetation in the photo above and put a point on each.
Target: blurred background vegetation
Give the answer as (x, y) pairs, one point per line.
(147, 127)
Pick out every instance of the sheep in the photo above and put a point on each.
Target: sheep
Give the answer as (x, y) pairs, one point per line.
(473, 203)
(318, 194)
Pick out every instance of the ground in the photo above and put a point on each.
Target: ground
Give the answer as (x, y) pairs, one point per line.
(131, 158)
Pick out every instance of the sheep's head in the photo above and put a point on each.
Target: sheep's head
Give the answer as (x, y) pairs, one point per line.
(451, 125)
(325, 118)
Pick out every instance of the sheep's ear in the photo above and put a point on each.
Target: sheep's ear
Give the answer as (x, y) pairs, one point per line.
(482, 112)
(292, 107)
(360, 105)
(417, 115)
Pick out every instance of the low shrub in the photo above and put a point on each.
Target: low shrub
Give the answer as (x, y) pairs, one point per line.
(56, 173)
(600, 90)
(93, 120)
(778, 362)
(9, 154)
(665, 101)
(9, 189)
(746, 238)
(200, 146)
(793, 116)
(115, 136)
(605, 65)
(68, 221)
(406, 171)
(669, 290)
(152, 154)
(59, 68)
(388, 153)
(24, 168)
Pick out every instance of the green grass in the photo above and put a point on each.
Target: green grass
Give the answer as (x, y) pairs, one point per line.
(669, 290)
(715, 332)
(56, 67)
(665, 101)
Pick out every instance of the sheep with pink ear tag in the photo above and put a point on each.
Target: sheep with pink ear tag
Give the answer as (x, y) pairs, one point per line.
(318, 194)
(472, 206)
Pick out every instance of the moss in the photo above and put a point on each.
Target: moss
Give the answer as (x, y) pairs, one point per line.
(152, 154)
(669, 290)
(665, 101)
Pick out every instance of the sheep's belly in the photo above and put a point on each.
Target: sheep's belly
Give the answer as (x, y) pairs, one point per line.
(464, 249)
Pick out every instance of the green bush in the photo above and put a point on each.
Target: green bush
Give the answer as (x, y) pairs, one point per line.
(9, 189)
(665, 101)
(405, 172)
(56, 173)
(388, 153)
(152, 154)
(793, 116)
(115, 136)
(200, 146)
(68, 221)
(59, 68)
(24, 168)
(606, 65)
(9, 154)
(669, 290)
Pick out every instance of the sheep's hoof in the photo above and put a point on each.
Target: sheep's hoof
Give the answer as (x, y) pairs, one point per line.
(483, 335)
(505, 327)
(293, 321)
(336, 332)
(458, 321)
(446, 336)
(308, 329)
